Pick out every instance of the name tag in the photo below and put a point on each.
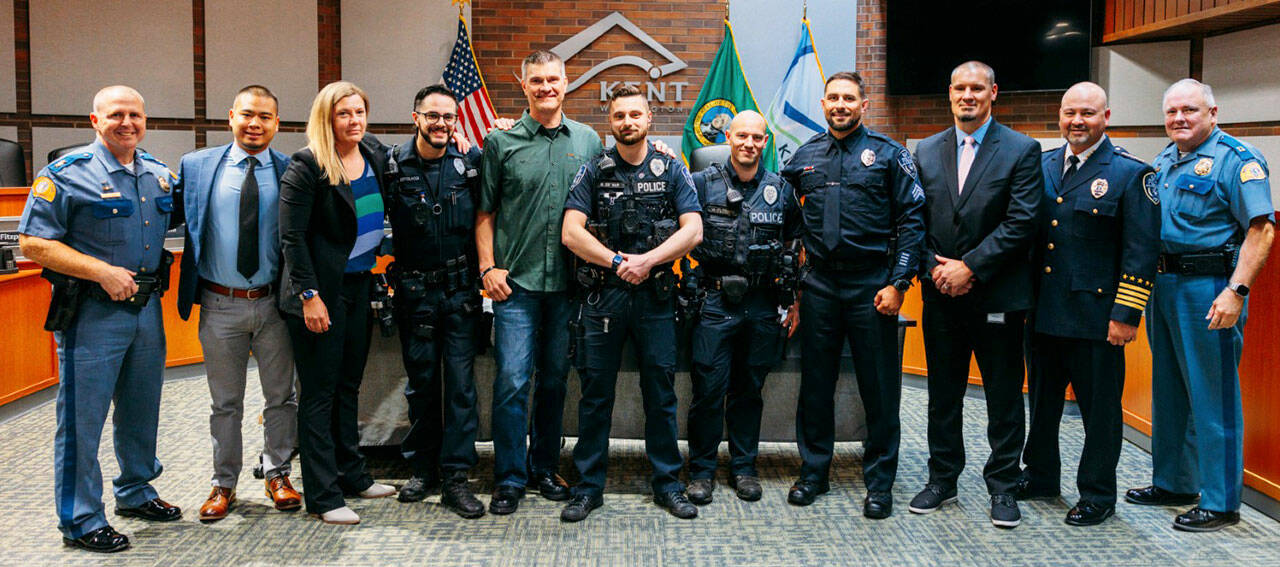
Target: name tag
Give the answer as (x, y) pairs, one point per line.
(651, 186)
(720, 211)
(995, 318)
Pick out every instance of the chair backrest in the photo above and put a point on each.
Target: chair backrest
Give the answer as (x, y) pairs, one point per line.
(13, 165)
(56, 153)
(703, 157)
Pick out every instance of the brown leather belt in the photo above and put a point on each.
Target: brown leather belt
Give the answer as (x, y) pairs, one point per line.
(252, 293)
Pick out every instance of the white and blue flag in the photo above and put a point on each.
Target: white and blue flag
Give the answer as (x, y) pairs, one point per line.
(795, 115)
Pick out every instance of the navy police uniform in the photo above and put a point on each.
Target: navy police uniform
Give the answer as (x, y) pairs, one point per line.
(738, 337)
(863, 213)
(1211, 195)
(631, 209)
(431, 205)
(112, 351)
(1098, 246)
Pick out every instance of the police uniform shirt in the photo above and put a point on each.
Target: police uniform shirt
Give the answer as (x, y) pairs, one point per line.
(775, 209)
(90, 202)
(432, 205)
(879, 198)
(1211, 194)
(657, 172)
(1082, 156)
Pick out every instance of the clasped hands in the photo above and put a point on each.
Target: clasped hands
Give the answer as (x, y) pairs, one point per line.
(951, 276)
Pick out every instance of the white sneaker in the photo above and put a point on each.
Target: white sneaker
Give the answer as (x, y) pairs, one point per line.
(378, 491)
(341, 516)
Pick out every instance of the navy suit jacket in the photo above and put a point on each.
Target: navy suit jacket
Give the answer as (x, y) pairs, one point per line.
(191, 205)
(991, 224)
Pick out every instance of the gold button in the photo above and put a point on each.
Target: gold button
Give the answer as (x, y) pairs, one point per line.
(1192, 186)
(114, 211)
(144, 199)
(1054, 222)
(1059, 199)
(146, 247)
(1051, 246)
(142, 269)
(1099, 290)
(146, 223)
(1095, 211)
(1047, 269)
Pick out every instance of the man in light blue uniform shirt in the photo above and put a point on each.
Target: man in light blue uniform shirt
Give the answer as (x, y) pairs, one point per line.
(1217, 226)
(231, 267)
(99, 215)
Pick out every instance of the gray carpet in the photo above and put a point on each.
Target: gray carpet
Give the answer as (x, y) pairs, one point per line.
(629, 530)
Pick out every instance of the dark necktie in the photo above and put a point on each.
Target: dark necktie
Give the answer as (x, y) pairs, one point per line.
(247, 250)
(831, 206)
(1071, 170)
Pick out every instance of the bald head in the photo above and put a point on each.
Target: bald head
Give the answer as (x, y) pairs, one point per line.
(1086, 91)
(748, 119)
(1083, 116)
(114, 93)
(120, 121)
(982, 69)
(747, 139)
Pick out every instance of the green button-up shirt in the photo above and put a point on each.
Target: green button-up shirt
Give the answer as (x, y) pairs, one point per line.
(526, 173)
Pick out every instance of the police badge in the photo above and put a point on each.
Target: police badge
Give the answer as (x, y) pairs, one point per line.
(657, 167)
(1098, 188)
(459, 166)
(770, 194)
(164, 184)
(868, 157)
(1204, 166)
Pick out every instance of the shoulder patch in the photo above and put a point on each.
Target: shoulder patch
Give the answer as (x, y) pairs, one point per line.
(68, 159)
(1149, 187)
(44, 189)
(907, 164)
(1252, 171)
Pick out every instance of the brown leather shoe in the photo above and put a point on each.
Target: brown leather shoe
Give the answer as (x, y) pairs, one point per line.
(282, 493)
(218, 504)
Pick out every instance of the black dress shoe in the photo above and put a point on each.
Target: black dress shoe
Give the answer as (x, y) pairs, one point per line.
(506, 499)
(155, 510)
(1156, 496)
(550, 486)
(418, 488)
(456, 495)
(747, 487)
(580, 506)
(102, 540)
(677, 503)
(1027, 490)
(804, 492)
(700, 490)
(931, 498)
(1200, 520)
(877, 505)
(1086, 513)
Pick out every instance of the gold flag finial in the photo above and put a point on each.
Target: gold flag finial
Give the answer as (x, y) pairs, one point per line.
(460, 4)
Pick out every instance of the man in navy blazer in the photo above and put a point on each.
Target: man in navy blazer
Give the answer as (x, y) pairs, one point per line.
(983, 185)
(229, 198)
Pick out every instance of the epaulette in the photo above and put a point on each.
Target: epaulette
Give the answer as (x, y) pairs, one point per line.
(151, 158)
(1246, 154)
(883, 138)
(1125, 153)
(68, 159)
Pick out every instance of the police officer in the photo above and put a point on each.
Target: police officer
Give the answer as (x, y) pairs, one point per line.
(745, 271)
(633, 211)
(863, 226)
(431, 188)
(97, 218)
(1098, 246)
(1217, 227)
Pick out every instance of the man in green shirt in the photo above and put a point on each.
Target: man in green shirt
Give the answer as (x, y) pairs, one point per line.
(525, 180)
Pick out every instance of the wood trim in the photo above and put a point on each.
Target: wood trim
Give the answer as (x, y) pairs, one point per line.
(1187, 21)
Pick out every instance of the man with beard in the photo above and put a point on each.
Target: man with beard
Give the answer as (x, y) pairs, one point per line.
(629, 215)
(863, 223)
(983, 187)
(1097, 251)
(742, 278)
(431, 190)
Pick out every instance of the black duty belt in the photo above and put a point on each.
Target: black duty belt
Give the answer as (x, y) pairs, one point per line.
(717, 282)
(860, 265)
(1200, 263)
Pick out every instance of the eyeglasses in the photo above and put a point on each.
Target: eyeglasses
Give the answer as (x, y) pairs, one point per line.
(433, 117)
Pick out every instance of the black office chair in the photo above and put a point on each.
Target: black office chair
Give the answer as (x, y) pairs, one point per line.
(703, 157)
(13, 165)
(56, 153)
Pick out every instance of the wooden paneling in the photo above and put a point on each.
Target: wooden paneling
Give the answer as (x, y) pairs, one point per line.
(1150, 20)
(12, 201)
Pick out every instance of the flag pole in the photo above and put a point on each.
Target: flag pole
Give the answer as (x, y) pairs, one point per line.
(804, 14)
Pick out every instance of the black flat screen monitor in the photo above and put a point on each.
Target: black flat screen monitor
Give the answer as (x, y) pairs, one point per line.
(1033, 45)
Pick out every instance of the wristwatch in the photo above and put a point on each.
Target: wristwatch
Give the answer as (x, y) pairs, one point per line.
(617, 261)
(308, 294)
(1240, 289)
(902, 285)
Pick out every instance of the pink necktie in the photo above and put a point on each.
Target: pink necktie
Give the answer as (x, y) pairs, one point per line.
(966, 161)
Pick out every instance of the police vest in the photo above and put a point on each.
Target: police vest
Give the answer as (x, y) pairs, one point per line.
(634, 212)
(741, 234)
(432, 212)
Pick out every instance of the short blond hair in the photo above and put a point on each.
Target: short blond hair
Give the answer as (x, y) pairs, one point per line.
(320, 138)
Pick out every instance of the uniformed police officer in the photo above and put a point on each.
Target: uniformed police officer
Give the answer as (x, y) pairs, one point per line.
(431, 189)
(745, 271)
(1098, 246)
(1217, 227)
(863, 215)
(634, 211)
(99, 216)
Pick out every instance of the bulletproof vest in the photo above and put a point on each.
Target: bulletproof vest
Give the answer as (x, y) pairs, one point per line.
(634, 212)
(431, 209)
(741, 233)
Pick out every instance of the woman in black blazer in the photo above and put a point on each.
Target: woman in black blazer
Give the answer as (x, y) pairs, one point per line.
(331, 215)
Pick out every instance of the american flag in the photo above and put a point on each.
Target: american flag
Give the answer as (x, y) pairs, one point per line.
(462, 76)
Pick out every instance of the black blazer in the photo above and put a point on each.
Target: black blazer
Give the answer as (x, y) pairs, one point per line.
(991, 225)
(318, 226)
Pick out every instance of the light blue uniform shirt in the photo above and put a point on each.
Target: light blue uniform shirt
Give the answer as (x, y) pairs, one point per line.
(221, 238)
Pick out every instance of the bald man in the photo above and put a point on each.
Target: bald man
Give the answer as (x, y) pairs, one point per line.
(741, 281)
(863, 215)
(96, 220)
(1097, 246)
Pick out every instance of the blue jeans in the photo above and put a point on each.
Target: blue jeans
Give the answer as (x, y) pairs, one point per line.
(531, 331)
